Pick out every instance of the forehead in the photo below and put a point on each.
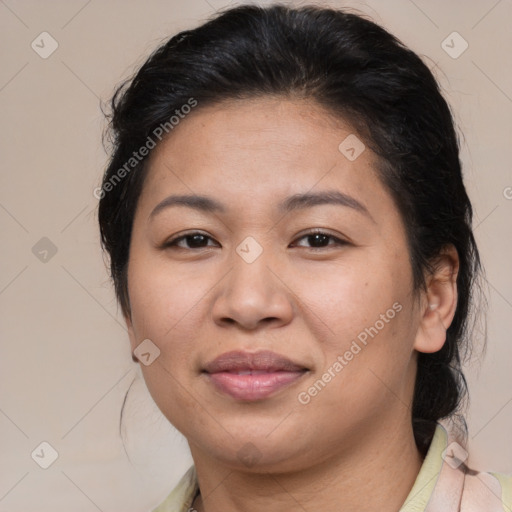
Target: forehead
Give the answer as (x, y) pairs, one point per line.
(261, 150)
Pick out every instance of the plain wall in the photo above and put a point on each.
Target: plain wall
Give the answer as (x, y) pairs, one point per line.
(65, 364)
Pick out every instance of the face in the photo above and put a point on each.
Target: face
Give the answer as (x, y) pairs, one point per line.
(281, 303)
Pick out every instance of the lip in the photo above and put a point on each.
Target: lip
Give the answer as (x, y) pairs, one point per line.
(252, 376)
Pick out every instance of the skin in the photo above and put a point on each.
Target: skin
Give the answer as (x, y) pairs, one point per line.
(351, 447)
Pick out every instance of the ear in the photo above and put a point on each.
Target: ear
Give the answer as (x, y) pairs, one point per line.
(438, 304)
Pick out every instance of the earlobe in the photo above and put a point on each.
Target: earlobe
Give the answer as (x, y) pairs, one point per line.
(439, 304)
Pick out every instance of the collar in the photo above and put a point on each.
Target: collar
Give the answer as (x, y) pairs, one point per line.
(444, 482)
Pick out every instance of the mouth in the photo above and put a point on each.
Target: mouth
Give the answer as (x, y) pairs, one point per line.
(252, 376)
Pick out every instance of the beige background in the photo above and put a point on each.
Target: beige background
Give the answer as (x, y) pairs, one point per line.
(65, 363)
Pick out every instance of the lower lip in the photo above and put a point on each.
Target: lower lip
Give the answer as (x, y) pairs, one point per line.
(253, 387)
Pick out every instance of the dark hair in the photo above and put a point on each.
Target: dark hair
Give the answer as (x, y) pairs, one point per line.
(357, 71)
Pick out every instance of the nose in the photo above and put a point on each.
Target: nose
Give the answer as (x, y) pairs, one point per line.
(253, 295)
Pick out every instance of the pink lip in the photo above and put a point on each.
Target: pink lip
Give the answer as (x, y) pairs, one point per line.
(252, 376)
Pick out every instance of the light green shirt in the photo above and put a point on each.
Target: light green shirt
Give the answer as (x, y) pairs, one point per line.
(444, 483)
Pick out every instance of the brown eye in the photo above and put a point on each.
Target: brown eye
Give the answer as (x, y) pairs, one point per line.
(190, 241)
(320, 240)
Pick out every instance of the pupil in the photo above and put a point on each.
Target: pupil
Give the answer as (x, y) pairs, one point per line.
(196, 240)
(318, 240)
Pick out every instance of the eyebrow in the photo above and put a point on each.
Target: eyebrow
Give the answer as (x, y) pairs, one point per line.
(202, 203)
(308, 200)
(295, 202)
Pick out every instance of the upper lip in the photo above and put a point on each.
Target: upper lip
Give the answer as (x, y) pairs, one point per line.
(264, 361)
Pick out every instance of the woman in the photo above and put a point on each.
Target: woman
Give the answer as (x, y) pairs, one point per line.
(291, 245)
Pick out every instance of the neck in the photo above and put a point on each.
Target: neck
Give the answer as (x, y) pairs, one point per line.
(376, 472)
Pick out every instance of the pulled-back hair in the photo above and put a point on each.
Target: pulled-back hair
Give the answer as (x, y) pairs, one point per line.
(360, 73)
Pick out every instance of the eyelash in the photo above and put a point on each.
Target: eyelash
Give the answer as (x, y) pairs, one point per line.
(173, 243)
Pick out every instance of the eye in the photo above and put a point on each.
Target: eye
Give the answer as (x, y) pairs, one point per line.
(194, 240)
(198, 240)
(320, 240)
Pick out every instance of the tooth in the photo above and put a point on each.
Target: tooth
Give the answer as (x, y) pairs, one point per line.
(245, 372)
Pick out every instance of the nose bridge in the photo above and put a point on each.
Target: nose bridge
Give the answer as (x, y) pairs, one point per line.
(252, 292)
(251, 269)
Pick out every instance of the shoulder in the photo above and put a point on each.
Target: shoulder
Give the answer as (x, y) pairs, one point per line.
(506, 489)
(447, 481)
(487, 491)
(480, 491)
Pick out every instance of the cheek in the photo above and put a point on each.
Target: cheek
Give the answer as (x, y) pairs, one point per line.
(351, 297)
(173, 396)
(165, 301)
(367, 309)
(162, 307)
(166, 308)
